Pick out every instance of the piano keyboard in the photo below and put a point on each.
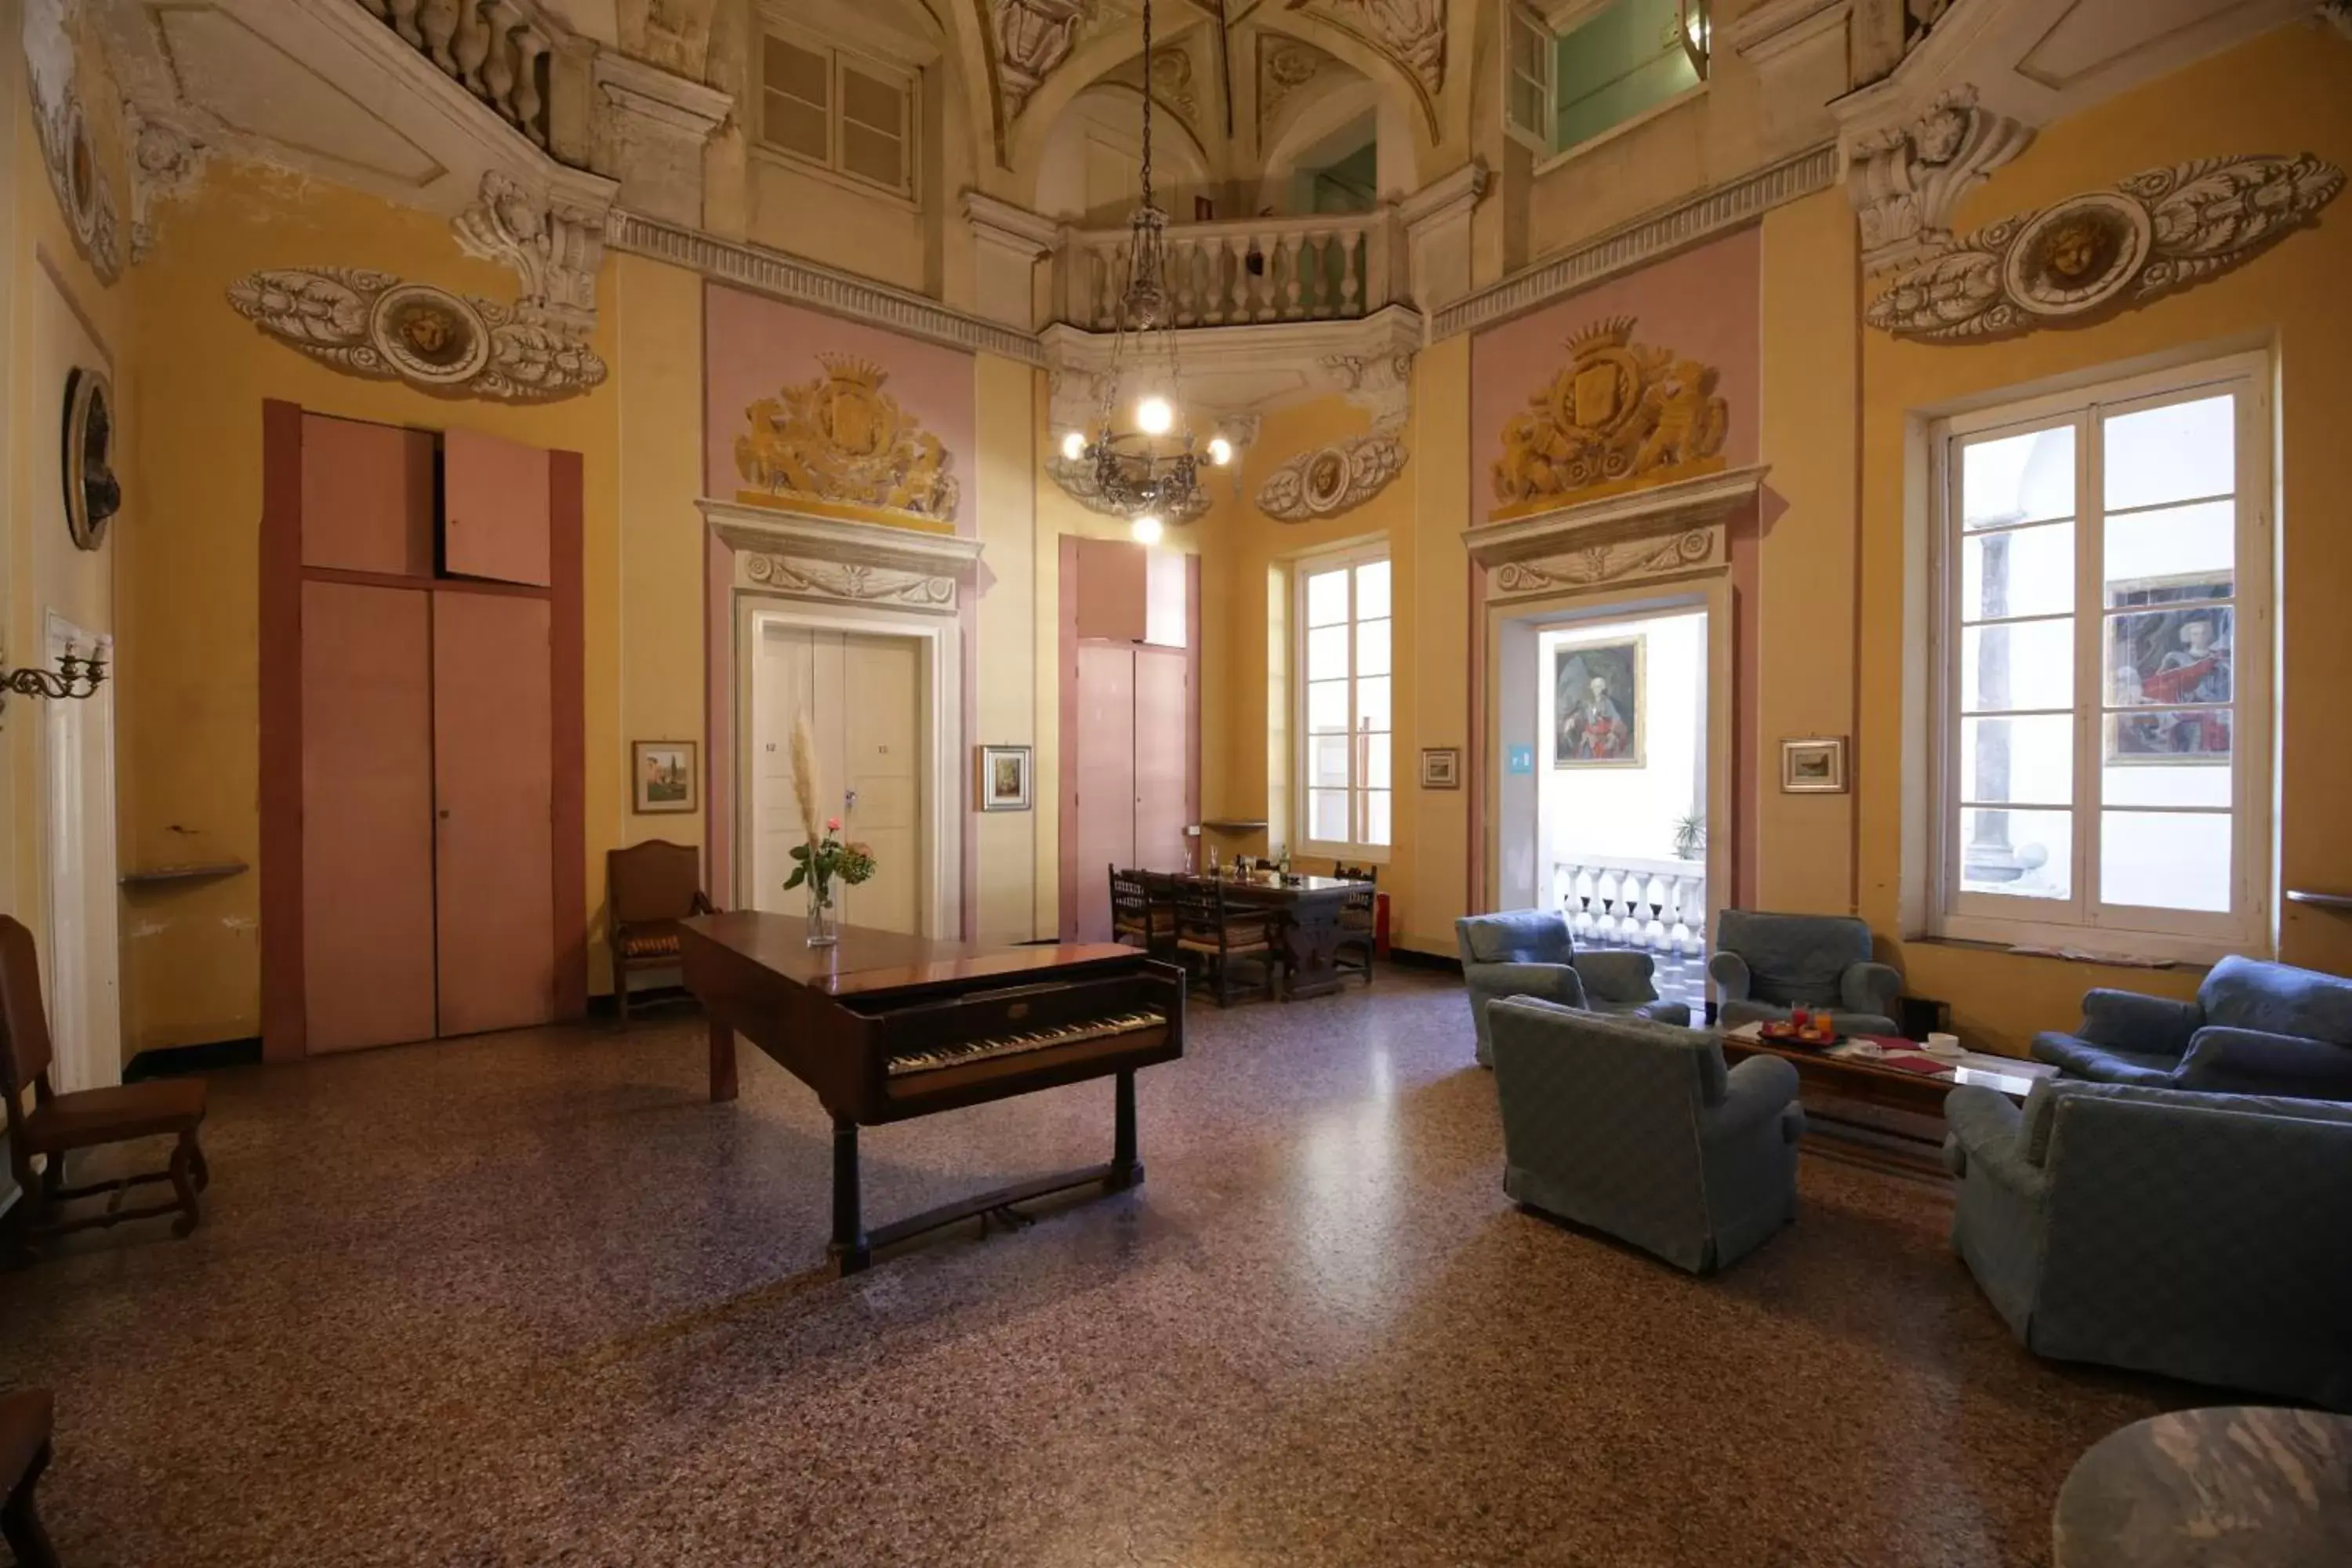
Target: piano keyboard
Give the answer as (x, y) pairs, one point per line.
(964, 1052)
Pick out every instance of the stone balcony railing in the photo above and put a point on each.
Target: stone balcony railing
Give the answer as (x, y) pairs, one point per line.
(1658, 906)
(1337, 267)
(498, 50)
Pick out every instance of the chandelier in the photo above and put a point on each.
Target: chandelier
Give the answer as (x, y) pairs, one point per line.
(1147, 471)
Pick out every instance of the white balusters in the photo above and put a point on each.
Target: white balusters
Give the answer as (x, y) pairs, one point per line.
(496, 50)
(1656, 905)
(1318, 268)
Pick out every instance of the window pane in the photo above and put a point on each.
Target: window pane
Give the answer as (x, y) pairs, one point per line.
(2164, 557)
(2026, 761)
(1371, 590)
(1326, 653)
(2165, 860)
(2025, 854)
(789, 123)
(1372, 647)
(871, 101)
(1376, 817)
(2029, 664)
(870, 155)
(1326, 706)
(798, 72)
(1328, 762)
(2028, 572)
(2170, 656)
(1375, 762)
(2168, 758)
(2178, 452)
(1372, 703)
(2018, 478)
(1326, 598)
(1326, 816)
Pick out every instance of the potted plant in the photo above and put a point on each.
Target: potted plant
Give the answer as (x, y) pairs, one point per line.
(1690, 835)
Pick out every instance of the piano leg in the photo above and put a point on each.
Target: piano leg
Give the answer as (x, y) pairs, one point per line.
(1126, 1169)
(722, 1062)
(849, 1246)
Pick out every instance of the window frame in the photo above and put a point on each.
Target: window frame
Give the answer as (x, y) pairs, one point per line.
(839, 59)
(1303, 745)
(2138, 931)
(1557, 22)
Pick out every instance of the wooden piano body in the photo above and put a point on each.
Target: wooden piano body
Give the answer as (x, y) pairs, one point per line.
(884, 1026)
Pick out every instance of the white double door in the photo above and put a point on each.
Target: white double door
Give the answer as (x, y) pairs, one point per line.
(864, 698)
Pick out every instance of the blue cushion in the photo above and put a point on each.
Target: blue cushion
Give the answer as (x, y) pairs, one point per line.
(1517, 936)
(2106, 1064)
(1794, 959)
(2278, 999)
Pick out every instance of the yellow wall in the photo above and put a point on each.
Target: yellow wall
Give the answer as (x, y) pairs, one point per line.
(2283, 93)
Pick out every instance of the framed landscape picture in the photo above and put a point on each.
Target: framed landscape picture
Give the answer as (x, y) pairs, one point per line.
(1002, 781)
(1598, 704)
(1813, 766)
(662, 776)
(1441, 767)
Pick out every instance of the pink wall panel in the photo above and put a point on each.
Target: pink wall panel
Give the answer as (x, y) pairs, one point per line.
(367, 810)
(1702, 304)
(495, 508)
(755, 345)
(367, 497)
(493, 793)
(1103, 755)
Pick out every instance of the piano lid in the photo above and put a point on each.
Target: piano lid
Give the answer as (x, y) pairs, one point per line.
(866, 961)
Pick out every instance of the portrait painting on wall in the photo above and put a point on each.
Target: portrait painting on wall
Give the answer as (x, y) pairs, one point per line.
(662, 776)
(2169, 666)
(1597, 701)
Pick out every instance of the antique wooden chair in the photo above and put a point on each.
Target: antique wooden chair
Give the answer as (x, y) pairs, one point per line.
(82, 1119)
(650, 887)
(25, 1419)
(1218, 935)
(1358, 920)
(1141, 915)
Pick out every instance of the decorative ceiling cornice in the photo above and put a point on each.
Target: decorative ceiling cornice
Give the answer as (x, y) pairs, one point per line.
(1644, 240)
(821, 288)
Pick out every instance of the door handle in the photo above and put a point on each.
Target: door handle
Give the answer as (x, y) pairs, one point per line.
(849, 800)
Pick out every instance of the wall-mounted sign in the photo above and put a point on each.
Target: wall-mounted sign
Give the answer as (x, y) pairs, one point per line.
(1520, 760)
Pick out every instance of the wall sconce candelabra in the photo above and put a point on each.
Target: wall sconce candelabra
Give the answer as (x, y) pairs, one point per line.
(75, 677)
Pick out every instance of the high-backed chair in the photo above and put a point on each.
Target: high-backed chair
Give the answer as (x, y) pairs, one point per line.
(59, 1124)
(1635, 1128)
(650, 887)
(1764, 964)
(1358, 920)
(2254, 1029)
(25, 1419)
(1222, 934)
(1529, 952)
(1142, 914)
(2199, 1236)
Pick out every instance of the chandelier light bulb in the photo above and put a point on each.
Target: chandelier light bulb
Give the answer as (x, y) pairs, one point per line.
(1147, 529)
(1154, 417)
(1221, 451)
(1074, 445)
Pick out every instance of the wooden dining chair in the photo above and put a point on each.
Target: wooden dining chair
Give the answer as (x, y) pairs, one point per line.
(59, 1124)
(650, 887)
(1141, 914)
(25, 1417)
(1358, 920)
(1221, 934)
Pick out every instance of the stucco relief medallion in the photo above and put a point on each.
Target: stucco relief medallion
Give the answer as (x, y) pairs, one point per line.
(1331, 480)
(1622, 415)
(429, 334)
(851, 581)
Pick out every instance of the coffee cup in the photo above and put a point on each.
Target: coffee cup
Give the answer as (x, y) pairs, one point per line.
(1943, 1045)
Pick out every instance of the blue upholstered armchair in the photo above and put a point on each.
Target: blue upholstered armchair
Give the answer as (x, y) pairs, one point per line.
(1528, 952)
(1634, 1128)
(1765, 965)
(2254, 1029)
(2200, 1236)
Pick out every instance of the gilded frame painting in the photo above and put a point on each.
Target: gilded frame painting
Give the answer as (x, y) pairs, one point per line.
(1601, 703)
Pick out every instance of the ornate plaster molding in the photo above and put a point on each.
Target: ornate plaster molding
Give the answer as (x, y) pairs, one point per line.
(1906, 181)
(1232, 374)
(1284, 66)
(811, 557)
(374, 324)
(1331, 480)
(1666, 531)
(166, 165)
(1621, 416)
(1380, 385)
(801, 283)
(2063, 265)
(648, 132)
(554, 248)
(838, 444)
(1645, 239)
(1034, 37)
(1409, 32)
(85, 190)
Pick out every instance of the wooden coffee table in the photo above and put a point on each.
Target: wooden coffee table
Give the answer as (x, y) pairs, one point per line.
(1859, 1080)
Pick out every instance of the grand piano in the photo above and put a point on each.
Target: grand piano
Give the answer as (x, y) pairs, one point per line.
(884, 1026)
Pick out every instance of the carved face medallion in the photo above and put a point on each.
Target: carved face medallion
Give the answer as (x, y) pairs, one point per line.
(431, 336)
(2078, 254)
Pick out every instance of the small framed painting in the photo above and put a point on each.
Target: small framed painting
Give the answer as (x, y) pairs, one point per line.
(1000, 777)
(1441, 767)
(661, 777)
(1815, 766)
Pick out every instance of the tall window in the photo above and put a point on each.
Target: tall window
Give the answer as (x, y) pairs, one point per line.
(2107, 678)
(838, 110)
(1345, 697)
(1575, 69)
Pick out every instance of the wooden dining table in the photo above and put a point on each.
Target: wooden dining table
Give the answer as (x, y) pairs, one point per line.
(1307, 935)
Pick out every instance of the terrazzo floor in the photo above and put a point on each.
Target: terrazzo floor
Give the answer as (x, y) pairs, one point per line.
(528, 1298)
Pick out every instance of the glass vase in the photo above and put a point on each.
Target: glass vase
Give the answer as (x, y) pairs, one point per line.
(824, 931)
